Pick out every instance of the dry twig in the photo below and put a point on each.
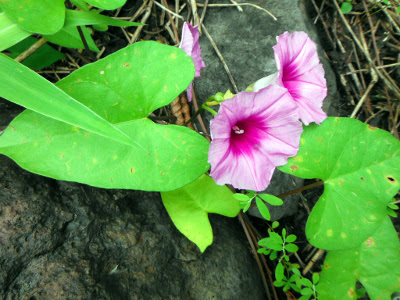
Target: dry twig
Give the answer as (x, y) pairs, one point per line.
(241, 4)
(313, 260)
(144, 19)
(221, 58)
(24, 55)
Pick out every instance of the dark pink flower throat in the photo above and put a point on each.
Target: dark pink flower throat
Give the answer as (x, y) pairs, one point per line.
(237, 130)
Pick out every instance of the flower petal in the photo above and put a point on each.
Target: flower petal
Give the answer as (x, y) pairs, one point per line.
(252, 134)
(301, 72)
(265, 81)
(190, 44)
(189, 92)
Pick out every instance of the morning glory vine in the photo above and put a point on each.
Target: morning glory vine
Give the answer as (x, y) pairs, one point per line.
(278, 122)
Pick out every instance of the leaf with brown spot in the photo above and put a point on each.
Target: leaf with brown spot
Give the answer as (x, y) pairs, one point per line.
(182, 153)
(375, 267)
(340, 151)
(36, 16)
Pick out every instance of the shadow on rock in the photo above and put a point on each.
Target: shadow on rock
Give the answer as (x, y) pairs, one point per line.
(71, 241)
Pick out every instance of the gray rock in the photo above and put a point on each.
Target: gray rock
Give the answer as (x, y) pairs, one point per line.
(71, 241)
(245, 39)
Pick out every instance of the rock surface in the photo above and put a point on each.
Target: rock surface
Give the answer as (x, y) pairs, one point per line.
(62, 240)
(245, 40)
(71, 241)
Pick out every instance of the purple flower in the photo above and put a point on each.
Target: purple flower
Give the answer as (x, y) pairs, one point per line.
(190, 44)
(251, 135)
(300, 71)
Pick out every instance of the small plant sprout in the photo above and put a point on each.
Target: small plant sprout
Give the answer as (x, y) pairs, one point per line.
(287, 274)
(346, 6)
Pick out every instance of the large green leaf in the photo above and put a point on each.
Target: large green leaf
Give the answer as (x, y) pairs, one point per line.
(190, 205)
(106, 4)
(360, 166)
(124, 88)
(38, 16)
(21, 85)
(79, 18)
(41, 58)
(10, 32)
(69, 37)
(375, 264)
(146, 75)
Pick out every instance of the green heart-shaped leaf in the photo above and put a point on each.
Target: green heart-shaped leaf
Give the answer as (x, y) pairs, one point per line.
(145, 76)
(38, 16)
(123, 88)
(190, 205)
(360, 166)
(375, 264)
(21, 85)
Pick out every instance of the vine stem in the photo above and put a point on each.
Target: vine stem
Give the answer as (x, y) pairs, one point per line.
(303, 188)
(209, 109)
(246, 231)
(24, 55)
(85, 44)
(194, 116)
(310, 186)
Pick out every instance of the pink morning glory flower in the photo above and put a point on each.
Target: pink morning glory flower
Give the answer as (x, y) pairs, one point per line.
(300, 71)
(251, 135)
(190, 44)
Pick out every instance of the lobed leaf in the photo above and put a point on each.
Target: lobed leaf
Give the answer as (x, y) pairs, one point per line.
(374, 263)
(122, 90)
(360, 166)
(24, 87)
(190, 205)
(36, 16)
